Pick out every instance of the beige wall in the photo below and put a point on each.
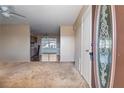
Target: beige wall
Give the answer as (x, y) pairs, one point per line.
(77, 29)
(15, 42)
(67, 44)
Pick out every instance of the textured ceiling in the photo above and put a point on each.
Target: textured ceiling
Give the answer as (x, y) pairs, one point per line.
(44, 18)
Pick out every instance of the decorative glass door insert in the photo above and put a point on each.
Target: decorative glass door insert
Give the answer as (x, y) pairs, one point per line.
(104, 45)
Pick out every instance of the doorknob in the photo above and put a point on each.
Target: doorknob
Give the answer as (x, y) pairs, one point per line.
(91, 56)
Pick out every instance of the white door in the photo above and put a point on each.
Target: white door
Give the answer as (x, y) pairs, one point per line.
(86, 44)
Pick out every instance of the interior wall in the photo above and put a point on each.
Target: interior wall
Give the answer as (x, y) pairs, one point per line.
(77, 29)
(78, 49)
(67, 44)
(15, 42)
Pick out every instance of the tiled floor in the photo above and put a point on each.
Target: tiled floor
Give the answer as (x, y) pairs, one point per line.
(37, 74)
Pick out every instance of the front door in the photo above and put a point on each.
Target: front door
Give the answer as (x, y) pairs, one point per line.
(104, 46)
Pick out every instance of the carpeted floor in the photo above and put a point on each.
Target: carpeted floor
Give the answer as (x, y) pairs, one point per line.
(36, 74)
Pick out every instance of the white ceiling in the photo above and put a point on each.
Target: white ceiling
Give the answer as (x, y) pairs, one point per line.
(45, 18)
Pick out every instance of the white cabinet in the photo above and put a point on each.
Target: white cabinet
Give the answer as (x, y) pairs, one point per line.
(49, 58)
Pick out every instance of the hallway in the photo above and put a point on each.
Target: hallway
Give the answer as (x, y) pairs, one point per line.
(36, 74)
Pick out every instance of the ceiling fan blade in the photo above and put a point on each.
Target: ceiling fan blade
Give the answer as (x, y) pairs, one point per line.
(16, 14)
(0, 10)
(4, 8)
(5, 14)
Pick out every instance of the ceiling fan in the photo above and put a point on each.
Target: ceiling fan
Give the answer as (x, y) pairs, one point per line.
(7, 12)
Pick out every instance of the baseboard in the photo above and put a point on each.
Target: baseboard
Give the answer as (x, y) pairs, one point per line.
(67, 61)
(12, 61)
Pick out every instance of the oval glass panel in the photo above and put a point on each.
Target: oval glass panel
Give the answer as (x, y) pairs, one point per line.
(104, 45)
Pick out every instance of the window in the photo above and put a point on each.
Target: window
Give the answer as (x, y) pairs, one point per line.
(49, 43)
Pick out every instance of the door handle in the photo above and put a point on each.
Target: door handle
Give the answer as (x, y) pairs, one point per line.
(91, 56)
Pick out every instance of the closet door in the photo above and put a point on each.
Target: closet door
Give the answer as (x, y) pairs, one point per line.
(104, 46)
(86, 37)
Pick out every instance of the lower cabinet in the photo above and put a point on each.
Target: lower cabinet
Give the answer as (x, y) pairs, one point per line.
(49, 57)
